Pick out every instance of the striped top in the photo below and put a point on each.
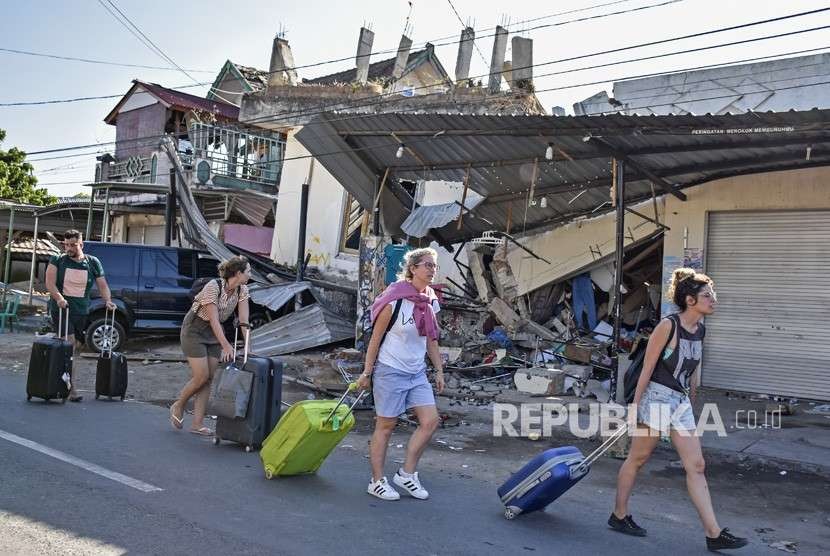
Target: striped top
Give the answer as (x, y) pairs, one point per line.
(226, 303)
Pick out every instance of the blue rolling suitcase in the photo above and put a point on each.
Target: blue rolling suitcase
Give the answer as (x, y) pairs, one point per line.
(548, 476)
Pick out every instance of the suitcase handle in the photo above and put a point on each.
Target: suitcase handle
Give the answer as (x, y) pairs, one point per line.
(352, 387)
(60, 323)
(111, 336)
(236, 342)
(582, 468)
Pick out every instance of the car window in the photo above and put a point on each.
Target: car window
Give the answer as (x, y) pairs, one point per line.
(186, 263)
(163, 263)
(116, 260)
(207, 267)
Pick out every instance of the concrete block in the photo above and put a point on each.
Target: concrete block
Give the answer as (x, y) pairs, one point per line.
(540, 381)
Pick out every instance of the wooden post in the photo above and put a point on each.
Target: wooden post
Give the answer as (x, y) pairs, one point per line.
(90, 215)
(34, 260)
(105, 225)
(619, 192)
(464, 197)
(376, 206)
(8, 250)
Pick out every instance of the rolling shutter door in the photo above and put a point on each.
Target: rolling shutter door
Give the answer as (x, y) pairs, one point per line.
(772, 276)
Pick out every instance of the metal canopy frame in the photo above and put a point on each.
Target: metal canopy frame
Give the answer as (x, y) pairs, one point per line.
(664, 153)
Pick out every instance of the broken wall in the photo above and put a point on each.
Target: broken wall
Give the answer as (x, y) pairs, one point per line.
(577, 245)
(326, 201)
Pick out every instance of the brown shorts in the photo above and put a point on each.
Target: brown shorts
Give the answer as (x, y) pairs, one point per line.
(198, 339)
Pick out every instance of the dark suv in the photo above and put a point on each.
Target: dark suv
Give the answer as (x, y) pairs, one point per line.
(151, 286)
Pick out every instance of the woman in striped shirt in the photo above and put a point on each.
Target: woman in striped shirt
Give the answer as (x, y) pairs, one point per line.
(203, 339)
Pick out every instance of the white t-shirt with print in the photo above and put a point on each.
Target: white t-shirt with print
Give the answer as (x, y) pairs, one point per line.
(404, 348)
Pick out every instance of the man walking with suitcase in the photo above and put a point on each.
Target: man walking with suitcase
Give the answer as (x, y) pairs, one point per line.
(69, 279)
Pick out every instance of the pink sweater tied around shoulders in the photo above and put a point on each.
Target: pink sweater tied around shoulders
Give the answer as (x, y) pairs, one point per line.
(424, 316)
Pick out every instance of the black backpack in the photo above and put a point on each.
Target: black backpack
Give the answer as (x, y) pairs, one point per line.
(198, 285)
(638, 356)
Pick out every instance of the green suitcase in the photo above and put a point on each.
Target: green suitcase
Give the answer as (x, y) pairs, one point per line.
(305, 435)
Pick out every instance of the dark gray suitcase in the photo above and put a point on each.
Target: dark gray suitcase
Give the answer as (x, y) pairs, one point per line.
(50, 366)
(111, 376)
(264, 405)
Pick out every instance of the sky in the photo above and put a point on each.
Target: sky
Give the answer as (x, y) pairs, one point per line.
(202, 35)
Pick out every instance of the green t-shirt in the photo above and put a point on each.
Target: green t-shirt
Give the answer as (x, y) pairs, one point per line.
(75, 280)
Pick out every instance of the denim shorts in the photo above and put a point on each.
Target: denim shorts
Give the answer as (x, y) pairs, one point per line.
(395, 391)
(662, 408)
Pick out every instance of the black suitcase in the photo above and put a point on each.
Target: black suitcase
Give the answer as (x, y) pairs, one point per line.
(111, 373)
(50, 366)
(264, 405)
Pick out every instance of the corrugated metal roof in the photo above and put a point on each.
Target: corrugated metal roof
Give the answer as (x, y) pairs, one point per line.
(309, 327)
(683, 150)
(253, 209)
(277, 295)
(422, 219)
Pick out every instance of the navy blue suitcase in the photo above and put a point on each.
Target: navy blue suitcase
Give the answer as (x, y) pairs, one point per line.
(548, 476)
(542, 480)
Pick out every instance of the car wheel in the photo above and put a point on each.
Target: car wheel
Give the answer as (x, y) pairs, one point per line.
(98, 335)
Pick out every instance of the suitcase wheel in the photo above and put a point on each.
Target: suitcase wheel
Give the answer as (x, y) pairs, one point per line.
(509, 513)
(269, 473)
(249, 448)
(97, 396)
(63, 401)
(216, 440)
(122, 398)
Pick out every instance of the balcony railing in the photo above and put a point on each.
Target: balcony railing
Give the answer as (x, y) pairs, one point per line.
(135, 169)
(239, 155)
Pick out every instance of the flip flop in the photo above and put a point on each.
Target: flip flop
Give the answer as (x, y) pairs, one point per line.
(204, 431)
(175, 421)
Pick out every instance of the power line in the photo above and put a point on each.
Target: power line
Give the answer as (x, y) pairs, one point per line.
(695, 35)
(342, 105)
(142, 37)
(152, 138)
(324, 62)
(663, 41)
(463, 25)
(91, 61)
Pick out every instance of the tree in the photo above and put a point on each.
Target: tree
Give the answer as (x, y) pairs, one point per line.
(16, 180)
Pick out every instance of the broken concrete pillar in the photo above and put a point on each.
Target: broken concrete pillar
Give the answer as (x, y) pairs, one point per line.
(364, 51)
(281, 71)
(403, 57)
(475, 259)
(465, 54)
(522, 73)
(507, 73)
(497, 60)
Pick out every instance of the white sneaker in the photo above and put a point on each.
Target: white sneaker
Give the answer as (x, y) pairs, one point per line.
(383, 490)
(411, 485)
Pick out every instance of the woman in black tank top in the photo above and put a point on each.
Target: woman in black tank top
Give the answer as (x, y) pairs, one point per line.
(666, 381)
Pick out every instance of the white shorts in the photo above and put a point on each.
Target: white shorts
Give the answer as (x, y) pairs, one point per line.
(662, 408)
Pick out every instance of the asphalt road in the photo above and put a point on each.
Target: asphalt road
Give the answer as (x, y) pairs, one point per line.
(215, 500)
